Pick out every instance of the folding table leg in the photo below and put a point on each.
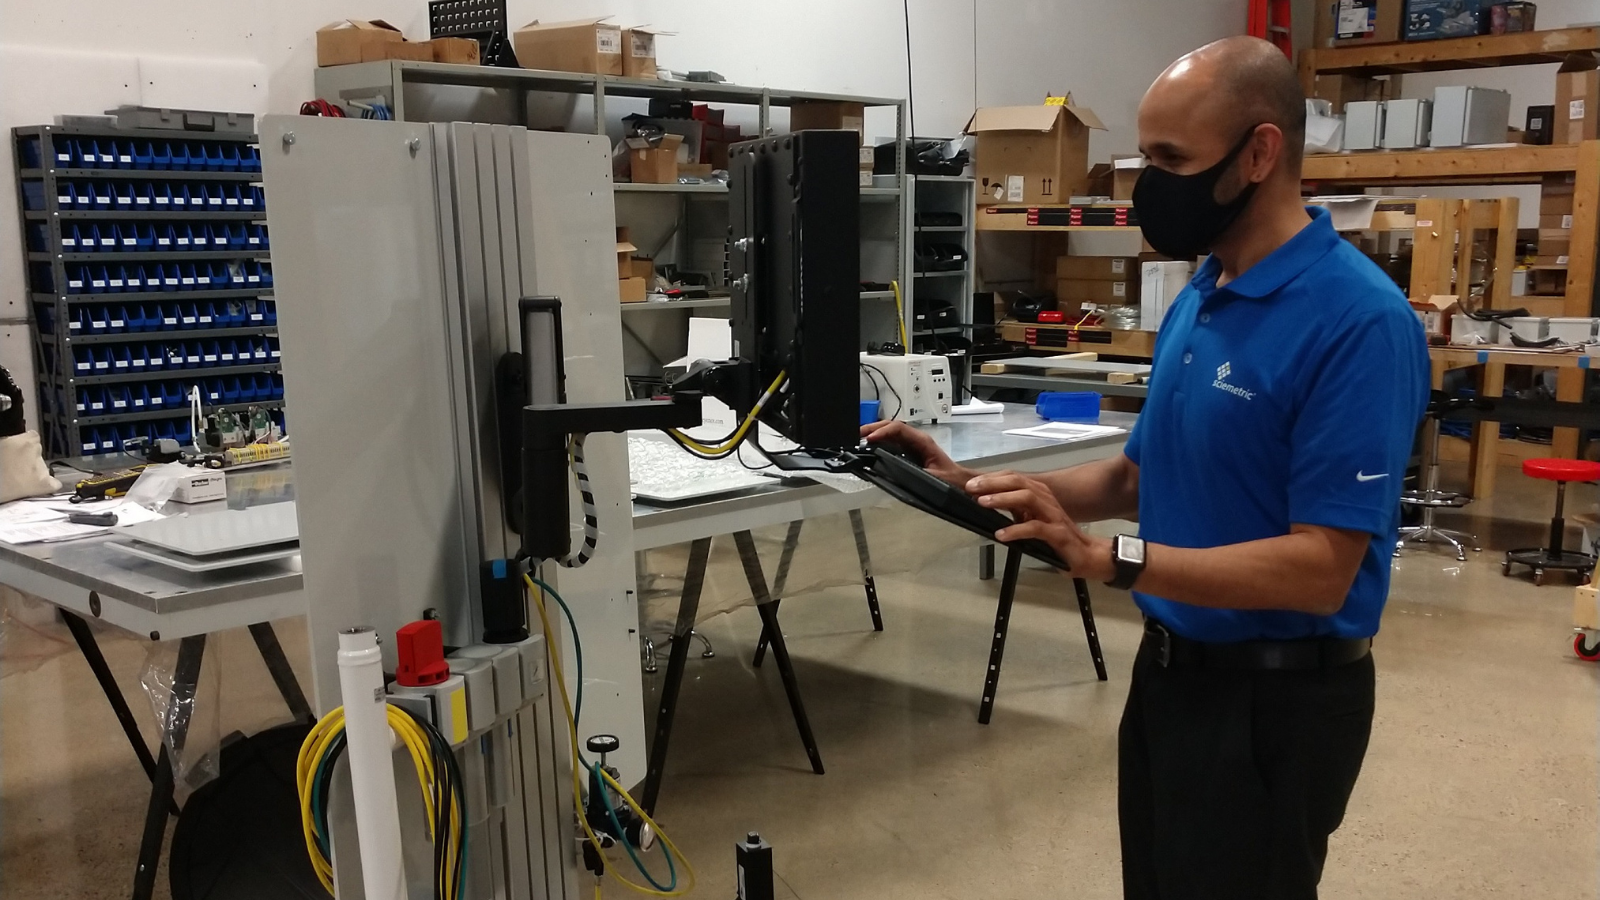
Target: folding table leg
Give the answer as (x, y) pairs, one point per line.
(282, 673)
(766, 607)
(677, 657)
(185, 680)
(791, 540)
(860, 529)
(1082, 589)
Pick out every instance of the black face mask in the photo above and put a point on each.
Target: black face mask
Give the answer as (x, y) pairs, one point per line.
(1179, 214)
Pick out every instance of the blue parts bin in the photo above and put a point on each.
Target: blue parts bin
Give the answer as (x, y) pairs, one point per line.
(869, 411)
(1068, 406)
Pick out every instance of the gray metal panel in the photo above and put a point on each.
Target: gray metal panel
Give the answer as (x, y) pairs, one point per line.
(357, 252)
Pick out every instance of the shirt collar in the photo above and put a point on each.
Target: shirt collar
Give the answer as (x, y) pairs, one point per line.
(1281, 265)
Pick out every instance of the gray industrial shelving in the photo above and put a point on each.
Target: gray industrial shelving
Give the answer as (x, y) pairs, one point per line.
(65, 414)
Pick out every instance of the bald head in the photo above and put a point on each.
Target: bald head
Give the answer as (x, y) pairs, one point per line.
(1217, 93)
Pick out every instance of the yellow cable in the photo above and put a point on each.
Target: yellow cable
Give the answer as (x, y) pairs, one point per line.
(577, 784)
(744, 426)
(900, 310)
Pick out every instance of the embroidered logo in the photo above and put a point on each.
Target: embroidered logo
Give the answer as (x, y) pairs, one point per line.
(1221, 383)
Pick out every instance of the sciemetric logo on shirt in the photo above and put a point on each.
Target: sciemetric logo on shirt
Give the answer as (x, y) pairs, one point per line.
(1221, 383)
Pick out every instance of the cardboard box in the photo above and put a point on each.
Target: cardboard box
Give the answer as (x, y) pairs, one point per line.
(1586, 597)
(1160, 282)
(1557, 247)
(829, 114)
(1339, 90)
(694, 170)
(1350, 23)
(1577, 113)
(639, 52)
(1032, 154)
(1432, 20)
(460, 51)
(1512, 17)
(1435, 312)
(625, 251)
(581, 45)
(1098, 268)
(1073, 290)
(361, 40)
(1540, 126)
(1125, 172)
(655, 165)
(640, 267)
(1554, 222)
(864, 178)
(1555, 205)
(1559, 183)
(1547, 282)
(632, 290)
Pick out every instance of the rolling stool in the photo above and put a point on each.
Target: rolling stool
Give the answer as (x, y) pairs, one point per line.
(1430, 497)
(1555, 556)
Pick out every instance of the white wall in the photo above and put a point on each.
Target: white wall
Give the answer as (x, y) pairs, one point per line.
(87, 56)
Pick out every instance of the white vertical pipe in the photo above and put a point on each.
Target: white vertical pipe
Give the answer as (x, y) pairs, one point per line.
(370, 755)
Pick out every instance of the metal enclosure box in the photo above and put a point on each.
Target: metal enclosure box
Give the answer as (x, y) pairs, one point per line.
(1463, 116)
(1407, 124)
(1363, 124)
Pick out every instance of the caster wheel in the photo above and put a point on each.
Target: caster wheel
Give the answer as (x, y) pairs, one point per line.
(1505, 569)
(1580, 646)
(1538, 578)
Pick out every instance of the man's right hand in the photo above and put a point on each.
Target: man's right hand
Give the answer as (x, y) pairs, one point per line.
(934, 460)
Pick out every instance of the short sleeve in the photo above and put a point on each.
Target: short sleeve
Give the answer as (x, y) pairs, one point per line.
(1135, 441)
(1352, 439)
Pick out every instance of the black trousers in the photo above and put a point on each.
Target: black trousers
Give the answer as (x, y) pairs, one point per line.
(1230, 782)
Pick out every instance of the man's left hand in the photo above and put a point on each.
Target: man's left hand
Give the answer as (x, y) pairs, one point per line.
(1039, 515)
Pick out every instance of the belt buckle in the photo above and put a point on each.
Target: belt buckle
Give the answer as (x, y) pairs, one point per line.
(1164, 643)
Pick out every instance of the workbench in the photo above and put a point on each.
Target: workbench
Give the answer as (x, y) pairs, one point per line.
(979, 442)
(86, 580)
(1492, 362)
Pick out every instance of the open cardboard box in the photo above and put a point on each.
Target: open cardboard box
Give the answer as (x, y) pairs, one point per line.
(362, 40)
(1032, 154)
(579, 45)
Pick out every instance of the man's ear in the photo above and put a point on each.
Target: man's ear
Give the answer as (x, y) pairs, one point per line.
(1266, 150)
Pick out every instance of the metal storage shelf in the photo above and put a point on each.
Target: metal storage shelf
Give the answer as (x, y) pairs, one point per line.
(59, 379)
(877, 295)
(135, 215)
(124, 174)
(157, 296)
(934, 228)
(149, 256)
(702, 303)
(164, 374)
(952, 273)
(628, 187)
(176, 413)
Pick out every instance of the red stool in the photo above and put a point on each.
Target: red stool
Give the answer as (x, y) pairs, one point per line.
(1555, 556)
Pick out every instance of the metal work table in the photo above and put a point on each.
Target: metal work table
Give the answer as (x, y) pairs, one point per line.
(85, 579)
(979, 442)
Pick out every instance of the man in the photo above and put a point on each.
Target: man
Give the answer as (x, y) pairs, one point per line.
(1288, 383)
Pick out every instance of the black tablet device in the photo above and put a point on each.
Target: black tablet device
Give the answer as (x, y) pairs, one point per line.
(909, 483)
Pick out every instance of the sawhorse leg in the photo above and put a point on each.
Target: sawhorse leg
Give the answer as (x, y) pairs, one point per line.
(791, 540)
(1002, 622)
(1081, 588)
(766, 607)
(90, 649)
(282, 673)
(694, 579)
(185, 679)
(860, 530)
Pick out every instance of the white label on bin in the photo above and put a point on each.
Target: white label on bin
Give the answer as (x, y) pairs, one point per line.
(170, 281)
(75, 326)
(102, 365)
(644, 44)
(193, 358)
(257, 317)
(129, 242)
(69, 242)
(183, 241)
(205, 319)
(125, 159)
(169, 321)
(1119, 266)
(201, 240)
(97, 405)
(1575, 109)
(188, 320)
(64, 158)
(138, 362)
(1563, 260)
(1566, 222)
(119, 404)
(121, 364)
(163, 201)
(142, 199)
(90, 446)
(189, 280)
(210, 357)
(608, 40)
(261, 352)
(254, 241)
(253, 279)
(1014, 188)
(214, 201)
(108, 159)
(233, 201)
(108, 242)
(227, 357)
(135, 283)
(1119, 289)
(163, 242)
(75, 283)
(97, 283)
(64, 200)
(138, 403)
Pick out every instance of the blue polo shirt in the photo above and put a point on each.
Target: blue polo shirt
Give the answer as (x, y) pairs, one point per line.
(1290, 395)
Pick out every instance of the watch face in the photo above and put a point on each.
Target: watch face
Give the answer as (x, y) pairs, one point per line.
(1130, 549)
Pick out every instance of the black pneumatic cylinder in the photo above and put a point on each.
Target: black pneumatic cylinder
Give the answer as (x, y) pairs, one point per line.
(753, 856)
(545, 530)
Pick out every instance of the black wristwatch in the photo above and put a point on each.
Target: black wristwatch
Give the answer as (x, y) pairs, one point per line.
(1127, 554)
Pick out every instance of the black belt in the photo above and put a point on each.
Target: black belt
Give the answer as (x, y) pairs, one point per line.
(1175, 652)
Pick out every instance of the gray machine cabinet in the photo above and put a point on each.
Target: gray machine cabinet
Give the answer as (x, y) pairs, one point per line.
(400, 251)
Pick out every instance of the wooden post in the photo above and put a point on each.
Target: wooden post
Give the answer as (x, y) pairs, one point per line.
(1585, 232)
(1466, 239)
(1433, 247)
(1505, 254)
(1486, 435)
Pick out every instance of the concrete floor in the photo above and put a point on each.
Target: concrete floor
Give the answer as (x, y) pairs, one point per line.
(1481, 779)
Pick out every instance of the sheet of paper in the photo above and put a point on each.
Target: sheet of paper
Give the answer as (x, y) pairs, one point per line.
(25, 512)
(36, 532)
(1065, 431)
